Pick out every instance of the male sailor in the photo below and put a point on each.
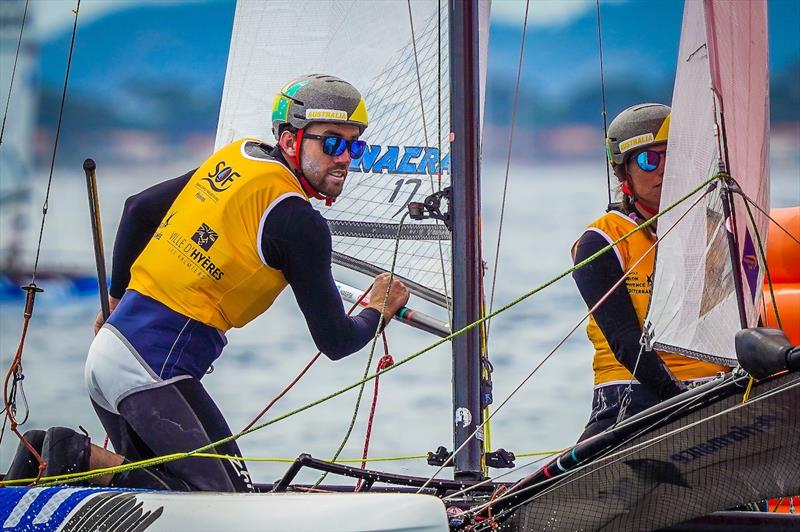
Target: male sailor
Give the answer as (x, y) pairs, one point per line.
(627, 377)
(208, 251)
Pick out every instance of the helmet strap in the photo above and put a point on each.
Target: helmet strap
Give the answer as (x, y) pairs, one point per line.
(626, 189)
(644, 209)
(308, 188)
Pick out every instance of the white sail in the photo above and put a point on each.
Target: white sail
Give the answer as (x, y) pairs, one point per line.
(694, 308)
(369, 44)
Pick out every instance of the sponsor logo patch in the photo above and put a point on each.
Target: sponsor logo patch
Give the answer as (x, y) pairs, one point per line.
(325, 114)
(463, 417)
(419, 160)
(205, 237)
(734, 435)
(222, 177)
(631, 143)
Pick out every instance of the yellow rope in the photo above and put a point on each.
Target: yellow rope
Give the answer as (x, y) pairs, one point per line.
(746, 395)
(46, 481)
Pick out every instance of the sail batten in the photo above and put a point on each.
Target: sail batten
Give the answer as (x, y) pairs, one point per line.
(720, 121)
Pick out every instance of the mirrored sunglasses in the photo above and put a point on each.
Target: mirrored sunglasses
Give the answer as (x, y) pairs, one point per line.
(649, 160)
(334, 145)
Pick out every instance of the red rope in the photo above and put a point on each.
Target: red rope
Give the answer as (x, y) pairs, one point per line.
(15, 375)
(302, 372)
(385, 361)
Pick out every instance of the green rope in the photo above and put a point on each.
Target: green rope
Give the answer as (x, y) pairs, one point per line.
(468, 327)
(371, 351)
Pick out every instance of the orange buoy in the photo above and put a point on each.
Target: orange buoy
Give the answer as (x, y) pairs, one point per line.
(784, 505)
(787, 299)
(783, 260)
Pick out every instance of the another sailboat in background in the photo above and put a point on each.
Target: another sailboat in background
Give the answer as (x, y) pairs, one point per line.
(20, 208)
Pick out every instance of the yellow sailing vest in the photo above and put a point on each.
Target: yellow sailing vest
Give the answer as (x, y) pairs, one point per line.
(204, 260)
(607, 369)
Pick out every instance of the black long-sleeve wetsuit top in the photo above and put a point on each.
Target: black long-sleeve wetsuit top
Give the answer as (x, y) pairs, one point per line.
(295, 240)
(617, 318)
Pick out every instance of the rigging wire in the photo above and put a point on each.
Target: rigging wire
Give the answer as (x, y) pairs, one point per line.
(76, 477)
(654, 420)
(575, 328)
(514, 111)
(378, 333)
(357, 407)
(176, 456)
(303, 371)
(472, 487)
(765, 213)
(14, 375)
(286, 460)
(622, 454)
(603, 96)
(58, 136)
(14, 71)
(763, 257)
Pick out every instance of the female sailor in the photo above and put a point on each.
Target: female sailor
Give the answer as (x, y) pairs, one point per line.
(629, 378)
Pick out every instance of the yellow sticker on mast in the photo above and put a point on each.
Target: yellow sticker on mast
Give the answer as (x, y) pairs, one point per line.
(631, 143)
(325, 114)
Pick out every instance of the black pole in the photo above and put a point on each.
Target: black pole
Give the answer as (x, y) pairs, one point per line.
(728, 208)
(733, 249)
(89, 168)
(465, 174)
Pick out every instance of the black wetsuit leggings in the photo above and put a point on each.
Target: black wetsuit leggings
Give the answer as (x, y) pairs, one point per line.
(607, 402)
(176, 417)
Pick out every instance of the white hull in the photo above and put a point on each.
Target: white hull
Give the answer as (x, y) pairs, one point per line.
(72, 509)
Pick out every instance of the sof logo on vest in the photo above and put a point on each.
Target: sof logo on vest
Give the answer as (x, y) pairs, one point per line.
(205, 237)
(222, 177)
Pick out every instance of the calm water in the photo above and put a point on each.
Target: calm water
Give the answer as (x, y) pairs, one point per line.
(548, 208)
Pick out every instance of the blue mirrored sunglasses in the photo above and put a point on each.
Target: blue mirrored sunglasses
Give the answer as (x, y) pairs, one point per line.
(649, 160)
(334, 145)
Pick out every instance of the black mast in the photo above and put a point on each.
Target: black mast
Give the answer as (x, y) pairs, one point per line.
(467, 270)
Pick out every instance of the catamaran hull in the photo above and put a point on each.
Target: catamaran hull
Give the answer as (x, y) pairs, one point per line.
(717, 457)
(66, 509)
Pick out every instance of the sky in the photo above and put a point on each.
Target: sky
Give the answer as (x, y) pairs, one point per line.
(52, 16)
(540, 12)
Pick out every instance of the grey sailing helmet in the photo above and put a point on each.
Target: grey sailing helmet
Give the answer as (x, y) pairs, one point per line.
(638, 126)
(318, 98)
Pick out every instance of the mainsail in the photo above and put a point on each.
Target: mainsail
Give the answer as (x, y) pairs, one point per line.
(721, 88)
(402, 70)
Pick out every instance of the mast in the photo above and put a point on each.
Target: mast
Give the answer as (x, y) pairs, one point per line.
(465, 204)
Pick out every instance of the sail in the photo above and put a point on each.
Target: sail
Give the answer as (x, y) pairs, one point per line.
(404, 79)
(721, 85)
